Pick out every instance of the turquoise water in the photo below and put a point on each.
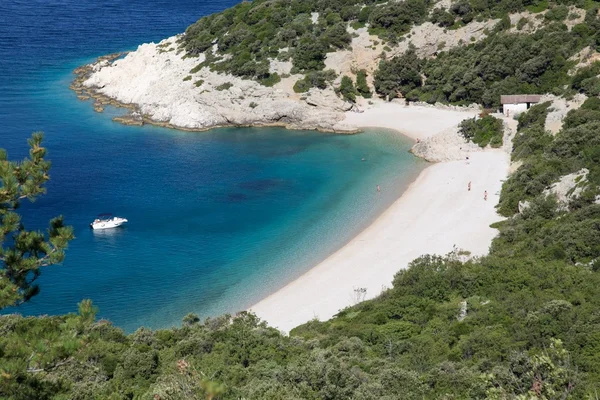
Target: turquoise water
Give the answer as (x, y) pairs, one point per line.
(218, 219)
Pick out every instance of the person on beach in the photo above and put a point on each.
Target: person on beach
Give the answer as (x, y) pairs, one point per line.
(469, 186)
(485, 195)
(378, 189)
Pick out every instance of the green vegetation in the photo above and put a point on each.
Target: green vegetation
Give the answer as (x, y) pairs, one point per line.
(187, 78)
(199, 82)
(243, 39)
(224, 86)
(545, 158)
(317, 79)
(502, 63)
(347, 89)
(252, 33)
(398, 76)
(522, 22)
(271, 80)
(24, 253)
(483, 131)
(587, 80)
(361, 84)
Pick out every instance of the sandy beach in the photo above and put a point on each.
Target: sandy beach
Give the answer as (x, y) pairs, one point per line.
(435, 214)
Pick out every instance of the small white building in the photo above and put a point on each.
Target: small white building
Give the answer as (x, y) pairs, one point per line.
(517, 103)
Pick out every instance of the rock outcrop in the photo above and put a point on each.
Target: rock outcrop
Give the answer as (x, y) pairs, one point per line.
(448, 145)
(168, 89)
(568, 187)
(558, 110)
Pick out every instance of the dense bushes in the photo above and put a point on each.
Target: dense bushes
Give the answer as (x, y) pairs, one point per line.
(316, 79)
(546, 158)
(361, 84)
(251, 33)
(398, 76)
(347, 90)
(393, 19)
(502, 63)
(587, 80)
(483, 131)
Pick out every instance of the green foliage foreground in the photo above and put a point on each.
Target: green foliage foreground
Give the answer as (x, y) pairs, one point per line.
(522, 322)
(23, 252)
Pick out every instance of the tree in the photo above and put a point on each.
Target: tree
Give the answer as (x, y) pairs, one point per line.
(398, 76)
(361, 84)
(347, 90)
(309, 54)
(23, 252)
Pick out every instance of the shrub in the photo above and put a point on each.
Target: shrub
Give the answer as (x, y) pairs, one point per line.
(318, 79)
(271, 80)
(399, 75)
(483, 131)
(309, 55)
(361, 84)
(347, 89)
(224, 86)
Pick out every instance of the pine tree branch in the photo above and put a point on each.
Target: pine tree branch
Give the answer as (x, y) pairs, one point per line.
(53, 366)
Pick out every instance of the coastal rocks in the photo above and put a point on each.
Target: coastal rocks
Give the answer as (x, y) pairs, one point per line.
(175, 91)
(83, 92)
(364, 53)
(280, 67)
(131, 119)
(448, 145)
(326, 99)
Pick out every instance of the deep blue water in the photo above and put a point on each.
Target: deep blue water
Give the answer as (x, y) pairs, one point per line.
(217, 219)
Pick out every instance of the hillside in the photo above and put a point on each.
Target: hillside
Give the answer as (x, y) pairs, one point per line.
(521, 322)
(303, 65)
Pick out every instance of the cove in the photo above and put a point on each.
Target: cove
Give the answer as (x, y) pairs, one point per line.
(218, 219)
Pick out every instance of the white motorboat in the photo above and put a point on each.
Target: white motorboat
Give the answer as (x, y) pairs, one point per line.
(107, 221)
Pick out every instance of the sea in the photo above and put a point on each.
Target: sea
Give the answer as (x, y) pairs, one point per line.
(217, 220)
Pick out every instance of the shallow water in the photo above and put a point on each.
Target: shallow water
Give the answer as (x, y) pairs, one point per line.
(218, 219)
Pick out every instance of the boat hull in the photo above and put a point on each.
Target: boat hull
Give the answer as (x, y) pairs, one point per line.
(108, 224)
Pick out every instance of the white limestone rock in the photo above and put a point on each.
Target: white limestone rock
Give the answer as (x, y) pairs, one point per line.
(448, 145)
(164, 88)
(568, 187)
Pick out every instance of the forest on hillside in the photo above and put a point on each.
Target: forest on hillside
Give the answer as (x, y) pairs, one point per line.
(243, 39)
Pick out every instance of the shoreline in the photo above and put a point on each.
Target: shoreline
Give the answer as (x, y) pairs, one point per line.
(430, 217)
(135, 117)
(449, 217)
